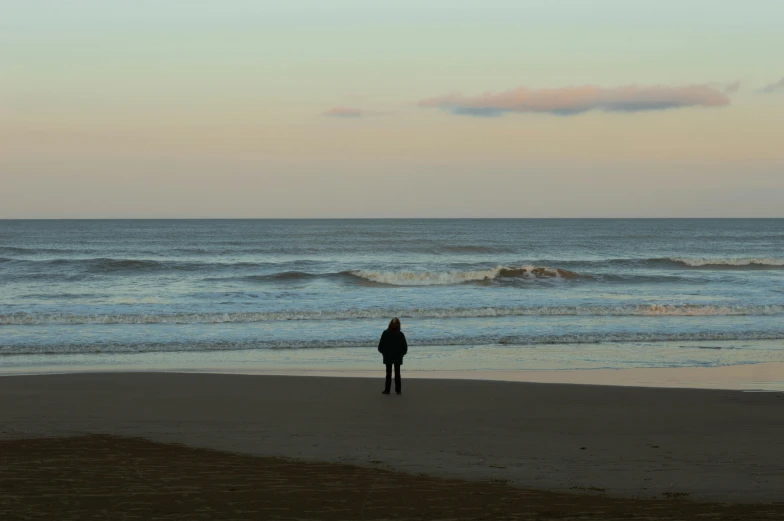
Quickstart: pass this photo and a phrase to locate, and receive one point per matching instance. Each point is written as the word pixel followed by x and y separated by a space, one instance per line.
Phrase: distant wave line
pixel 108 265
pixel 548 268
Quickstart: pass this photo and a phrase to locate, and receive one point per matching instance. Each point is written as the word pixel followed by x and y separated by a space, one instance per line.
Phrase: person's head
pixel 394 324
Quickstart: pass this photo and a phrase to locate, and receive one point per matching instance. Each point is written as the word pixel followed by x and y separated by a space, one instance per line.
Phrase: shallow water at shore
pixel 679 364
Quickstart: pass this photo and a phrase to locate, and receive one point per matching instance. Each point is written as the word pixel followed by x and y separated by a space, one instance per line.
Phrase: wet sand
pixel 619 442
pixel 768 376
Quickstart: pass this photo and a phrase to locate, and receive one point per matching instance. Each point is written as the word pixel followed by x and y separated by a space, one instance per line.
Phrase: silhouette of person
pixel 393 347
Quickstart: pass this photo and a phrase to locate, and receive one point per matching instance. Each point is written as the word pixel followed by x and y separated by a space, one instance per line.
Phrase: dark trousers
pixel 389 377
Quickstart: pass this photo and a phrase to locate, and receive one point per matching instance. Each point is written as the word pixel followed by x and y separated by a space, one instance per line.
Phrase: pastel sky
pixel 411 108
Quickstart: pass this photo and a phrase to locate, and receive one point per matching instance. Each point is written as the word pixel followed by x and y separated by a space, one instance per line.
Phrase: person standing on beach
pixel 393 347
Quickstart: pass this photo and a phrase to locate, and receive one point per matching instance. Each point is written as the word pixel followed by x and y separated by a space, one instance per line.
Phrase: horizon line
pixel 354 218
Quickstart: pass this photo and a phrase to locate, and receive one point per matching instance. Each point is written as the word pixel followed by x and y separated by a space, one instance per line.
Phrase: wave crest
pixel 729 262
pixel 431 278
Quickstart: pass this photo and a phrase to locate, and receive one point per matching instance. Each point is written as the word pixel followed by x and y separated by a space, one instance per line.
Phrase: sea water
pixel 471 294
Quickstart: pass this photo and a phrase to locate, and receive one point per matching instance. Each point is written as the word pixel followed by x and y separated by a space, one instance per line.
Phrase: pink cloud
pixel 571 100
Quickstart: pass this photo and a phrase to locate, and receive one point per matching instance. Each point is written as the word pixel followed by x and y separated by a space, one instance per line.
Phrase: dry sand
pixel 703 445
pixel 102 477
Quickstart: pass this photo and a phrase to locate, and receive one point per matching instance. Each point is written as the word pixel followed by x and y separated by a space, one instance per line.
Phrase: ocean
pixel 472 294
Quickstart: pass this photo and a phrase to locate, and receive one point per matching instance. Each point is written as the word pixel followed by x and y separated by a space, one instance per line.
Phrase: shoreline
pixel 751 377
pixel 634 442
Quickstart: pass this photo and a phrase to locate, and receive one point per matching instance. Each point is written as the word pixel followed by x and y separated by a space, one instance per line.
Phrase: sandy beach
pixel 612 443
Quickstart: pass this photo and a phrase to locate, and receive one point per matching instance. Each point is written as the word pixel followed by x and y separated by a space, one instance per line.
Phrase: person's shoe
pixel 384 392
pixel 398 392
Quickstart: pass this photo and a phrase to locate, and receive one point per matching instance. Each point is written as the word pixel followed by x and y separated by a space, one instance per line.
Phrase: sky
pixel 411 108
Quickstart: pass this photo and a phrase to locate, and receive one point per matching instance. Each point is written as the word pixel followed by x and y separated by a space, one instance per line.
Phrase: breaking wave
pixel 414 278
pixel 652 310
pixel 731 262
pixel 429 278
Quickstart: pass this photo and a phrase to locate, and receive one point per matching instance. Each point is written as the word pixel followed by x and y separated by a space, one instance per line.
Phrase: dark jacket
pixel 393 346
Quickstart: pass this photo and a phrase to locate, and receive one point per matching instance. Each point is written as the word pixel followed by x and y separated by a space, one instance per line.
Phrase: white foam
pixel 430 278
pixel 730 261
